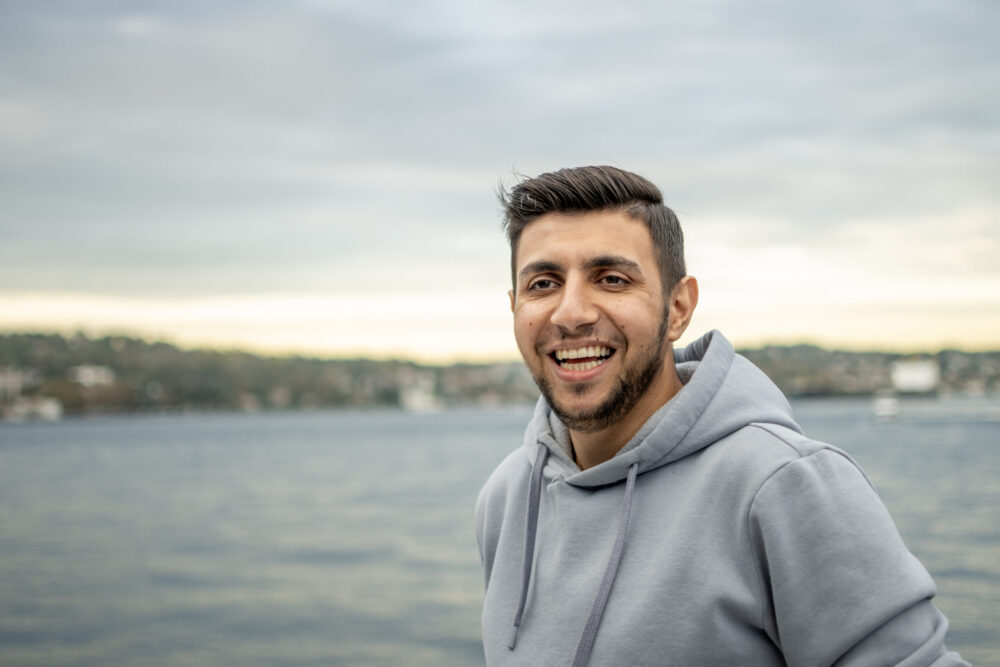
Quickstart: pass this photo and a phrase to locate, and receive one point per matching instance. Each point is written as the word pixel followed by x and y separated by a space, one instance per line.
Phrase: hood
pixel 722 393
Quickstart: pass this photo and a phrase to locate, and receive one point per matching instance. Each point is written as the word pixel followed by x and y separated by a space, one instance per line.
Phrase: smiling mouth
pixel 583 358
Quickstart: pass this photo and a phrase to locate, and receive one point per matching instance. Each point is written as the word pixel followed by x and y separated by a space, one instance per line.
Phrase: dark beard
pixel 626 393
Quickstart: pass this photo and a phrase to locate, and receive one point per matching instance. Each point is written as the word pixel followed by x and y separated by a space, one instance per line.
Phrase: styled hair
pixel 603 188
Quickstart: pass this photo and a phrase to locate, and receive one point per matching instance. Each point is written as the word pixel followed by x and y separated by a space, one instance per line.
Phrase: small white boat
pixel 886 406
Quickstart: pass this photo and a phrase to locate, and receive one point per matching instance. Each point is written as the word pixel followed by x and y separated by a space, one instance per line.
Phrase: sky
pixel 319 176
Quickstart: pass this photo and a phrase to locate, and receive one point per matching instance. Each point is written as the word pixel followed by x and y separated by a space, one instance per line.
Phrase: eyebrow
pixel 541 266
pixel 599 262
pixel 612 262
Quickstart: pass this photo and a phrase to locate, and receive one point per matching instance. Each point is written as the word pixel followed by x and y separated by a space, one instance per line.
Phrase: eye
pixel 541 284
pixel 614 280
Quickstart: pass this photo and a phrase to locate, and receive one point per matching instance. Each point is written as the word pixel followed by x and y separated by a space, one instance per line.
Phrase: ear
pixel 510 293
pixel 683 300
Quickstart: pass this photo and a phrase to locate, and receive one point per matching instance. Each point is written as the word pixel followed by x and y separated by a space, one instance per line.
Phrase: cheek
pixel 526 318
pixel 525 334
pixel 640 321
pixel 524 328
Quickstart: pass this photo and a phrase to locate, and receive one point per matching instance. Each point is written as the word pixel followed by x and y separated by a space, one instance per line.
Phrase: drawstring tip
pixel 513 639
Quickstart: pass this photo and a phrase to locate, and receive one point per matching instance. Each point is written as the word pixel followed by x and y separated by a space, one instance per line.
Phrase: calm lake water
pixel 347 538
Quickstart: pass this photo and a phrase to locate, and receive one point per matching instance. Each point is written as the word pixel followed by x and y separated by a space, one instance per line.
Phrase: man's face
pixel 590 317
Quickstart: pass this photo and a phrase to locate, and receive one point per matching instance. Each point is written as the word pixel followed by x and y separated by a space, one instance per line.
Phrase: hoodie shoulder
pixel 759 450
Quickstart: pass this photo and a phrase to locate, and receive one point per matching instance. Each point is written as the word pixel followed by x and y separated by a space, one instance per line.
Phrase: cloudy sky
pixel 318 176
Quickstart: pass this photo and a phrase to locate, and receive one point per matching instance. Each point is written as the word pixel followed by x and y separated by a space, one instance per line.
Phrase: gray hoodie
pixel 719 535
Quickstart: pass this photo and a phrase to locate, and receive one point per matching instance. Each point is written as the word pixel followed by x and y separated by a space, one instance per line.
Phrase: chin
pixel 591 415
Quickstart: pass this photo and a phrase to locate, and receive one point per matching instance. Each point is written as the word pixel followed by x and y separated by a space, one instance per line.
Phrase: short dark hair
pixel 602 188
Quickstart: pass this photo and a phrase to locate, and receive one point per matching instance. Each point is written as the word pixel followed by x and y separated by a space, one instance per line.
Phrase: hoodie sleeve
pixel 840 585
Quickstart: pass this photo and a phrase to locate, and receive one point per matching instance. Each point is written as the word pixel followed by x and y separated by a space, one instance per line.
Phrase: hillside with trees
pixel 82 375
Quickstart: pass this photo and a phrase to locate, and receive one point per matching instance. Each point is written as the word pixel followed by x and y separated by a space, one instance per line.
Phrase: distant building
pixel 416 392
pixel 91 376
pixel 11 383
pixel 36 407
pixel 916 376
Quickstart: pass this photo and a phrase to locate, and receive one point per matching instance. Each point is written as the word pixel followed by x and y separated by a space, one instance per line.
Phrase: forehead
pixel 571 239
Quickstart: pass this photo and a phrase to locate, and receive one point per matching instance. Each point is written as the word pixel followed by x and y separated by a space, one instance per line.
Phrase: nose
pixel 576 310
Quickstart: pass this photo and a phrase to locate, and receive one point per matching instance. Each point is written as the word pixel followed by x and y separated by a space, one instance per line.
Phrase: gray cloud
pixel 199 147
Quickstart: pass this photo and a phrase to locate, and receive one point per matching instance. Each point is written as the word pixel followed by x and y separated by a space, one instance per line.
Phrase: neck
pixel 591 448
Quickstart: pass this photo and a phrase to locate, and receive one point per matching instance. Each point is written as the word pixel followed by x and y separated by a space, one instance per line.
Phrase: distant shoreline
pixel 48 376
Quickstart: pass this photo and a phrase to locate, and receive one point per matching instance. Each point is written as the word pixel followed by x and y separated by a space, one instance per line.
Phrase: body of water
pixel 346 538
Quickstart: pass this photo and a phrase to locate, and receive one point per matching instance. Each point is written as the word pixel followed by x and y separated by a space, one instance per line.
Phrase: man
pixel 665 508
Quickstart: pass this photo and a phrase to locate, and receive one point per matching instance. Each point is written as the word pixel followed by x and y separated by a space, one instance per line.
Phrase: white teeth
pixel 583 352
pixel 586 366
pixel 597 354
